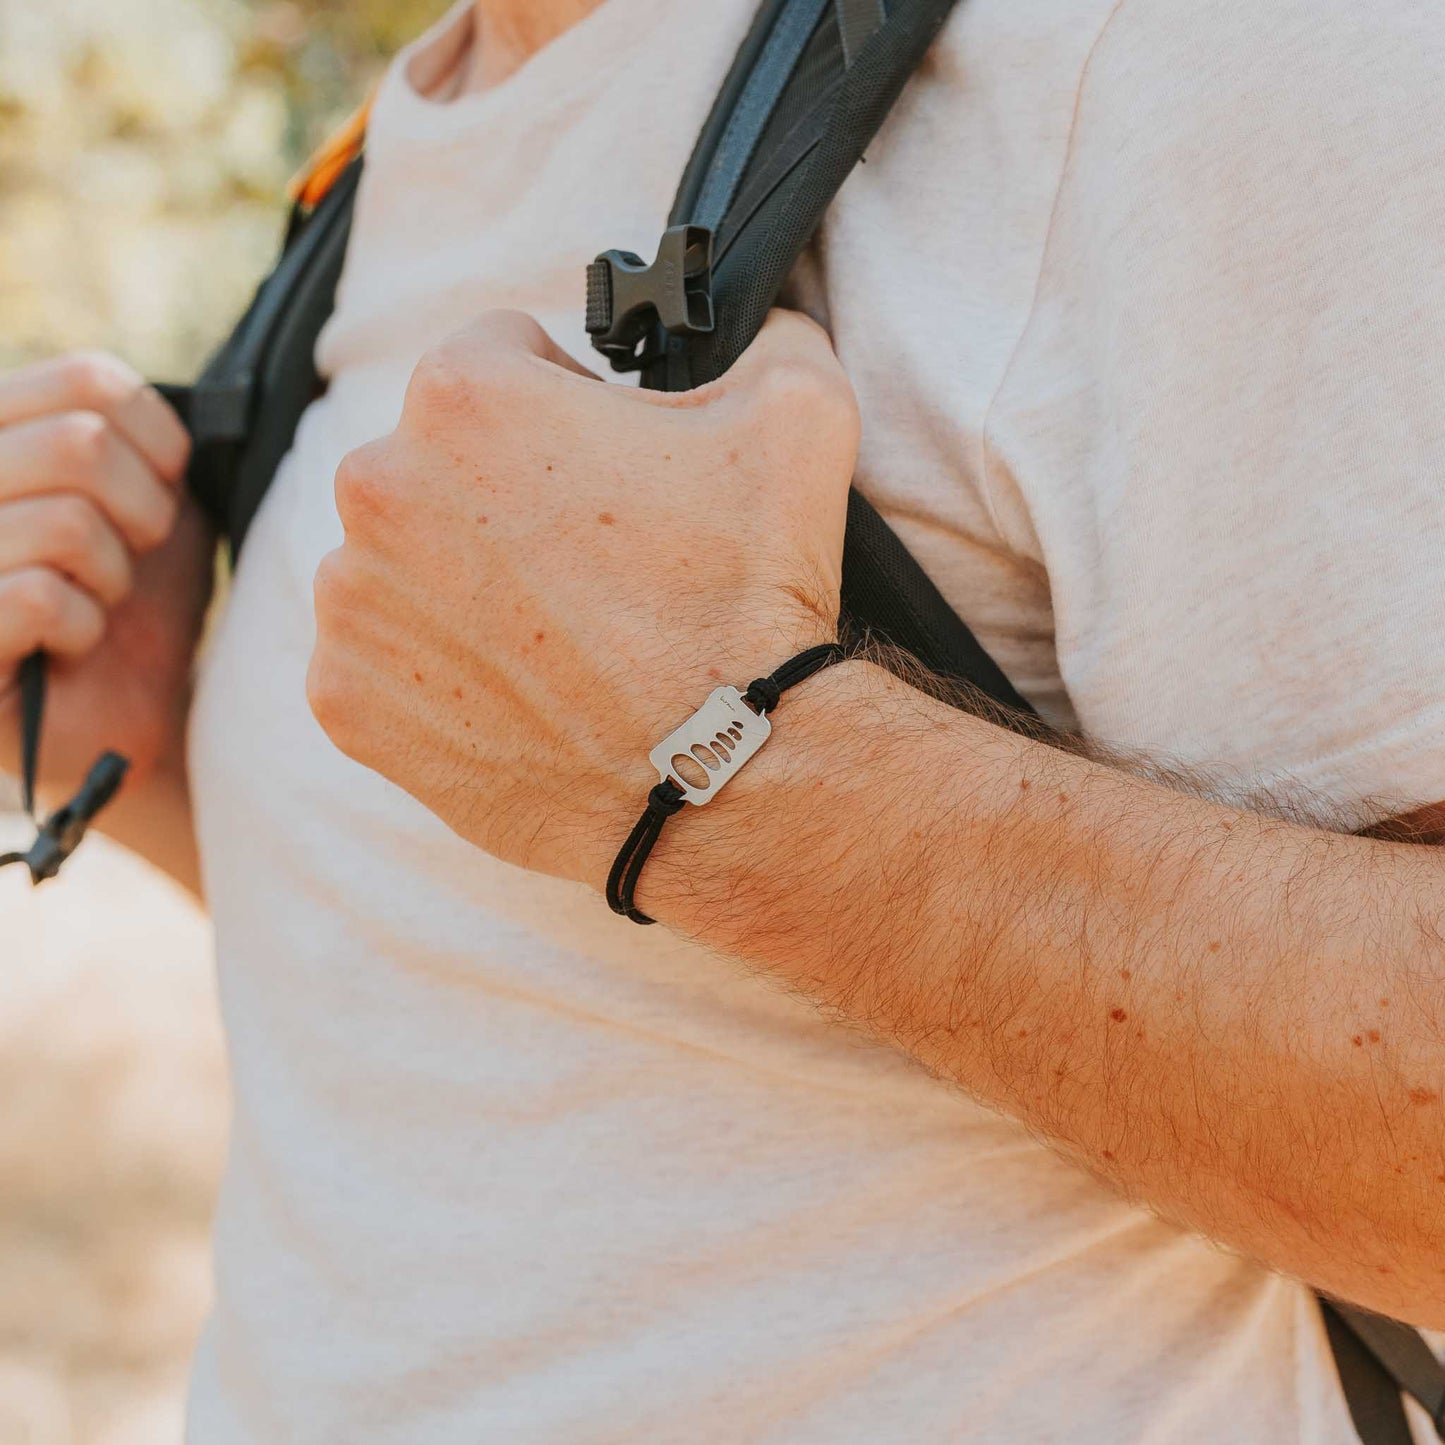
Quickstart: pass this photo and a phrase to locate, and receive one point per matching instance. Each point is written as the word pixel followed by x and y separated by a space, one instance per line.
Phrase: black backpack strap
pixel 1377 1408
pixel 244 409
pixel 1379 1357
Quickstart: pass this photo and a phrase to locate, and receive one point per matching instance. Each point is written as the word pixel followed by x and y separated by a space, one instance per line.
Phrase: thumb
pixel 788 338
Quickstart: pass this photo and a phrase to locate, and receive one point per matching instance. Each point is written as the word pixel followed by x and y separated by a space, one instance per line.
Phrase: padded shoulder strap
pixel 812 83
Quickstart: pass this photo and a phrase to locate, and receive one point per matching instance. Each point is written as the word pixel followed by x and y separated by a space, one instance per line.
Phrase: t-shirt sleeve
pixel 1222 432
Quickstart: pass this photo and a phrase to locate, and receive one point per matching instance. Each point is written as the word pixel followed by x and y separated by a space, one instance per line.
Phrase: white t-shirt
pixel 1144 305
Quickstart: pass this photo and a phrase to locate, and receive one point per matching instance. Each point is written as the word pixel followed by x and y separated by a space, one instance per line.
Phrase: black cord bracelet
pixel 716 740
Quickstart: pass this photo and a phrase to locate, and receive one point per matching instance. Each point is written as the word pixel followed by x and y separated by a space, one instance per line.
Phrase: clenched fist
pixel 103 563
pixel 544 574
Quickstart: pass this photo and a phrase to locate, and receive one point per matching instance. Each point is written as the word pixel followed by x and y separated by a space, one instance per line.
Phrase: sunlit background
pixel 144 150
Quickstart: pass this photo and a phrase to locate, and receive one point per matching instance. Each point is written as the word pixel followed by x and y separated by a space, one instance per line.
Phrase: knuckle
pixel 322 694
pixel 364 494
pixel 465 377
pixel 73 527
pixel 801 403
pixel 442 378
pixel 38 600
pixel 790 384
pixel 81 444
pixel 340 594
pixel 97 380
pixel 158 522
pixel 329 698
pixel 328 588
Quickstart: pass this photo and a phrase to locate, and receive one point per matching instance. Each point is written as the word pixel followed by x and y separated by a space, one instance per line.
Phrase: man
pixel 1138 310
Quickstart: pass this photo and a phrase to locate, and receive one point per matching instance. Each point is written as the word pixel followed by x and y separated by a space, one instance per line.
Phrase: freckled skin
pixel 559 776
pixel 1011 899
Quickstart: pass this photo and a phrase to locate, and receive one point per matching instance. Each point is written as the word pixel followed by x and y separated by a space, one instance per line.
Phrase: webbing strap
pixel 1402 1352
pixel 857 20
pixel 1372 1396
pixel 31 682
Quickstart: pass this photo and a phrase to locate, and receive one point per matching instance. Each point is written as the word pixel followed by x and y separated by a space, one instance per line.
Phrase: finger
pixel 68 533
pixel 498 333
pixel 82 452
pixel 95 382
pixel 40 609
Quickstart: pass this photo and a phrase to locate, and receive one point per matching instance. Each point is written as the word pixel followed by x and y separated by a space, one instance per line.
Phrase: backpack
pixel 812 83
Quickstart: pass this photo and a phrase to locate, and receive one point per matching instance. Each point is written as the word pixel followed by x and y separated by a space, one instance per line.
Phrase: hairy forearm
pixel 1238 1020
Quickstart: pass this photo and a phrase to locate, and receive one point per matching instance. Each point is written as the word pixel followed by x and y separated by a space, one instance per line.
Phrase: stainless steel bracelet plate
pixel 717 739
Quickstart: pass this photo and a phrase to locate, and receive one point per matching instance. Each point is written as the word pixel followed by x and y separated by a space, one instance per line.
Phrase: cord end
pixel 62 832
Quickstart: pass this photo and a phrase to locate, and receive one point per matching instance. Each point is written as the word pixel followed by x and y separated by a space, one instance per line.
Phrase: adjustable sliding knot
pixel 764 694
pixel 696 760
pixel 666 799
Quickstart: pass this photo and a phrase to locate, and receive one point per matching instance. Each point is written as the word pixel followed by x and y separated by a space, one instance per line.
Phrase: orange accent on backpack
pixel 321 172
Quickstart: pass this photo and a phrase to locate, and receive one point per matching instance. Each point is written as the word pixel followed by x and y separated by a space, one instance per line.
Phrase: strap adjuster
pixel 64 830
pixel 214 411
pixel 633 307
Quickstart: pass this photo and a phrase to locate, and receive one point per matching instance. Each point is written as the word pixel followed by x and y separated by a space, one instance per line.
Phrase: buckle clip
pixel 633 308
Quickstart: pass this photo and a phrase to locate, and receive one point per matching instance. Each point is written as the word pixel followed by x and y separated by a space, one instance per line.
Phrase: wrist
pixel 720 867
pixel 653 701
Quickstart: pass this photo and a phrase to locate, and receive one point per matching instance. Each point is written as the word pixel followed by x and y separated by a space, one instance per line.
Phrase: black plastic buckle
pixel 61 833
pixel 632 308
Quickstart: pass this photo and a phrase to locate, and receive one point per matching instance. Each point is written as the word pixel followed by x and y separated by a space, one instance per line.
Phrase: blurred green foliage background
pixel 145 146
